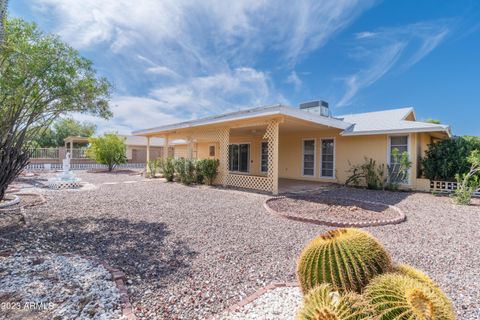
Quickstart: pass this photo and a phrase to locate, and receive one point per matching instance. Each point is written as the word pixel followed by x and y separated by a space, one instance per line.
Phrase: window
pixel 211 151
pixel 328 158
pixel 308 157
pixel 239 157
pixel 264 163
pixel 401 144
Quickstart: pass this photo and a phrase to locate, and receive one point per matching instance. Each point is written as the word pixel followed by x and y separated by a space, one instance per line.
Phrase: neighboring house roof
pixel 142 141
pixel 252 113
pixel 388 121
pixel 379 122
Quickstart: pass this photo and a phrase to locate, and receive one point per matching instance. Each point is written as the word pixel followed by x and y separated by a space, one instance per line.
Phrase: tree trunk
pixel 12 162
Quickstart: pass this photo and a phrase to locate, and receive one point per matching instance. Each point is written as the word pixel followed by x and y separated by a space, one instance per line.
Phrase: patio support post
pixel 148 151
pixel 223 135
pixel 165 147
pixel 189 148
pixel 272 134
pixel 71 149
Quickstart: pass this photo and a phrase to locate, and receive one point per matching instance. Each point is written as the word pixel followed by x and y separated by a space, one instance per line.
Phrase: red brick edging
pixel 249 299
pixel 332 223
pixel 117 276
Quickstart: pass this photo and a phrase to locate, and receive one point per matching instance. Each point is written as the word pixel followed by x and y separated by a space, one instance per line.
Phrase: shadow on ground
pixel 138 248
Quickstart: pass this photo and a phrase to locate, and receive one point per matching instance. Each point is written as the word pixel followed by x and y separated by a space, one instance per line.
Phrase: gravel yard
pixel 191 252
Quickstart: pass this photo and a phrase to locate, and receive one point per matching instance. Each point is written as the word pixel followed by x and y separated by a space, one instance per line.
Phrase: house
pixel 136 148
pixel 258 147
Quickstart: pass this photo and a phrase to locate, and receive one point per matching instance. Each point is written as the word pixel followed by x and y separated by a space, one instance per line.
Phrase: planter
pixel 9 200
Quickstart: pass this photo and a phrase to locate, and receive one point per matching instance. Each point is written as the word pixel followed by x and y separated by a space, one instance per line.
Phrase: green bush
pixel 372 174
pixel 153 166
pixel 199 178
pixel 185 170
pixel 168 169
pixel 446 159
pixel 399 168
pixel 468 182
pixel 208 169
pixel 108 149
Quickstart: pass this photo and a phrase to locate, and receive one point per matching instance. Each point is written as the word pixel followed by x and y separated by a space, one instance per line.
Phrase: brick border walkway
pixel 332 223
pixel 257 294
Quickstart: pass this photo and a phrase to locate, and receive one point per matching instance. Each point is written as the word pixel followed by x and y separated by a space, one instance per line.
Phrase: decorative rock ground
pixel 56 287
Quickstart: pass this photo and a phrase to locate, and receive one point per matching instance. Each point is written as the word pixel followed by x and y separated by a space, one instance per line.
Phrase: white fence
pixel 447 187
pixel 81 166
pixel 54 153
pixel 44 153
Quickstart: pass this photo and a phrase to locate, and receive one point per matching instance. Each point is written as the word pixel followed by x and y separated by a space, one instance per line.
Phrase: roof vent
pixel 318 107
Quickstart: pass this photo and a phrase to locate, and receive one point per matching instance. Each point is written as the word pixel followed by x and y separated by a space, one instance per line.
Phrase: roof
pixel 379 122
pixel 388 121
pixel 251 113
pixel 142 141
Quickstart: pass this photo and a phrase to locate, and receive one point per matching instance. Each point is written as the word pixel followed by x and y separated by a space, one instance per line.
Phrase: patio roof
pixel 250 114
pixel 380 122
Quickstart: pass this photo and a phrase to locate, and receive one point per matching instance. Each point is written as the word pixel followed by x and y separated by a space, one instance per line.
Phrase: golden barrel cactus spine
pixel 321 303
pixel 398 297
pixel 345 258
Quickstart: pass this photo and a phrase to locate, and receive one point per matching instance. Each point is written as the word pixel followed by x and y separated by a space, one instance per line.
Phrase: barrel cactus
pixel 422 277
pixel 399 297
pixel 345 258
pixel 321 303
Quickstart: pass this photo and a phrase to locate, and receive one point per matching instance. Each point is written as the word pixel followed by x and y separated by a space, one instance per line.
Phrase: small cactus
pixel 321 303
pixel 422 277
pixel 399 297
pixel 345 258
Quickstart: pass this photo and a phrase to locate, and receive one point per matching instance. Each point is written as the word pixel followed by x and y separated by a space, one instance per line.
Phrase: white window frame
pixel 249 157
pixel 409 151
pixel 261 170
pixel 334 158
pixel 314 157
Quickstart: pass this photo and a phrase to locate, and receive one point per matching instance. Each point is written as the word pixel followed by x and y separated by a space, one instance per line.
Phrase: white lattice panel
pixel 447 187
pixel 249 182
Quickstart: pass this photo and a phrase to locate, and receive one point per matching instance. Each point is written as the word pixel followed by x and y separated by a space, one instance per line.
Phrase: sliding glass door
pixel 239 157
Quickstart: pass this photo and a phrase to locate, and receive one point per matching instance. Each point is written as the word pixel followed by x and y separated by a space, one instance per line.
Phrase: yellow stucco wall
pixel 349 150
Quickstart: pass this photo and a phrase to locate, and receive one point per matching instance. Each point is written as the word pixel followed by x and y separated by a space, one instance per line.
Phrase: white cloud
pixel 382 50
pixel 162 71
pixel 295 80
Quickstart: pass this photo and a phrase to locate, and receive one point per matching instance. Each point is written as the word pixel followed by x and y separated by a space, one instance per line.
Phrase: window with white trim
pixel 264 160
pixel 308 157
pixel 328 158
pixel 401 144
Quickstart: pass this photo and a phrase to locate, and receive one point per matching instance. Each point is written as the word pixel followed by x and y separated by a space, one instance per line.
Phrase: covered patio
pixel 249 148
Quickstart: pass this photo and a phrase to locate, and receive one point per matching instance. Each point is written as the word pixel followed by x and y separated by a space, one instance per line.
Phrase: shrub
pixel 168 169
pixel 108 149
pixel 398 169
pixel 322 303
pixel 185 169
pixel 199 178
pixel 468 182
pixel 208 169
pixel 153 166
pixel 396 297
pixel 345 258
pixel 445 159
pixel 372 174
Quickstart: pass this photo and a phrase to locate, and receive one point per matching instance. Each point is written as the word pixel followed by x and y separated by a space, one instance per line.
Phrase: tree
pixel 108 150
pixel 434 121
pixel 41 79
pixel 3 14
pixel 55 135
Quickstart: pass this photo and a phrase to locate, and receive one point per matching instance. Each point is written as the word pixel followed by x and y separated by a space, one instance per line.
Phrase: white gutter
pixel 395 131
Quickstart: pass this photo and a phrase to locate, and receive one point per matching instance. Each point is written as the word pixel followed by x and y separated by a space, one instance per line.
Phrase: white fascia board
pixel 395 131
pixel 246 114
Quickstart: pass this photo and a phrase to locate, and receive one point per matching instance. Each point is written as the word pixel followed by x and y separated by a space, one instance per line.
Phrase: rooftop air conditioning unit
pixel 318 107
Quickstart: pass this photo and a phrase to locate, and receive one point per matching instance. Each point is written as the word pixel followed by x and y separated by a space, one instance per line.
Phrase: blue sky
pixel 174 60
